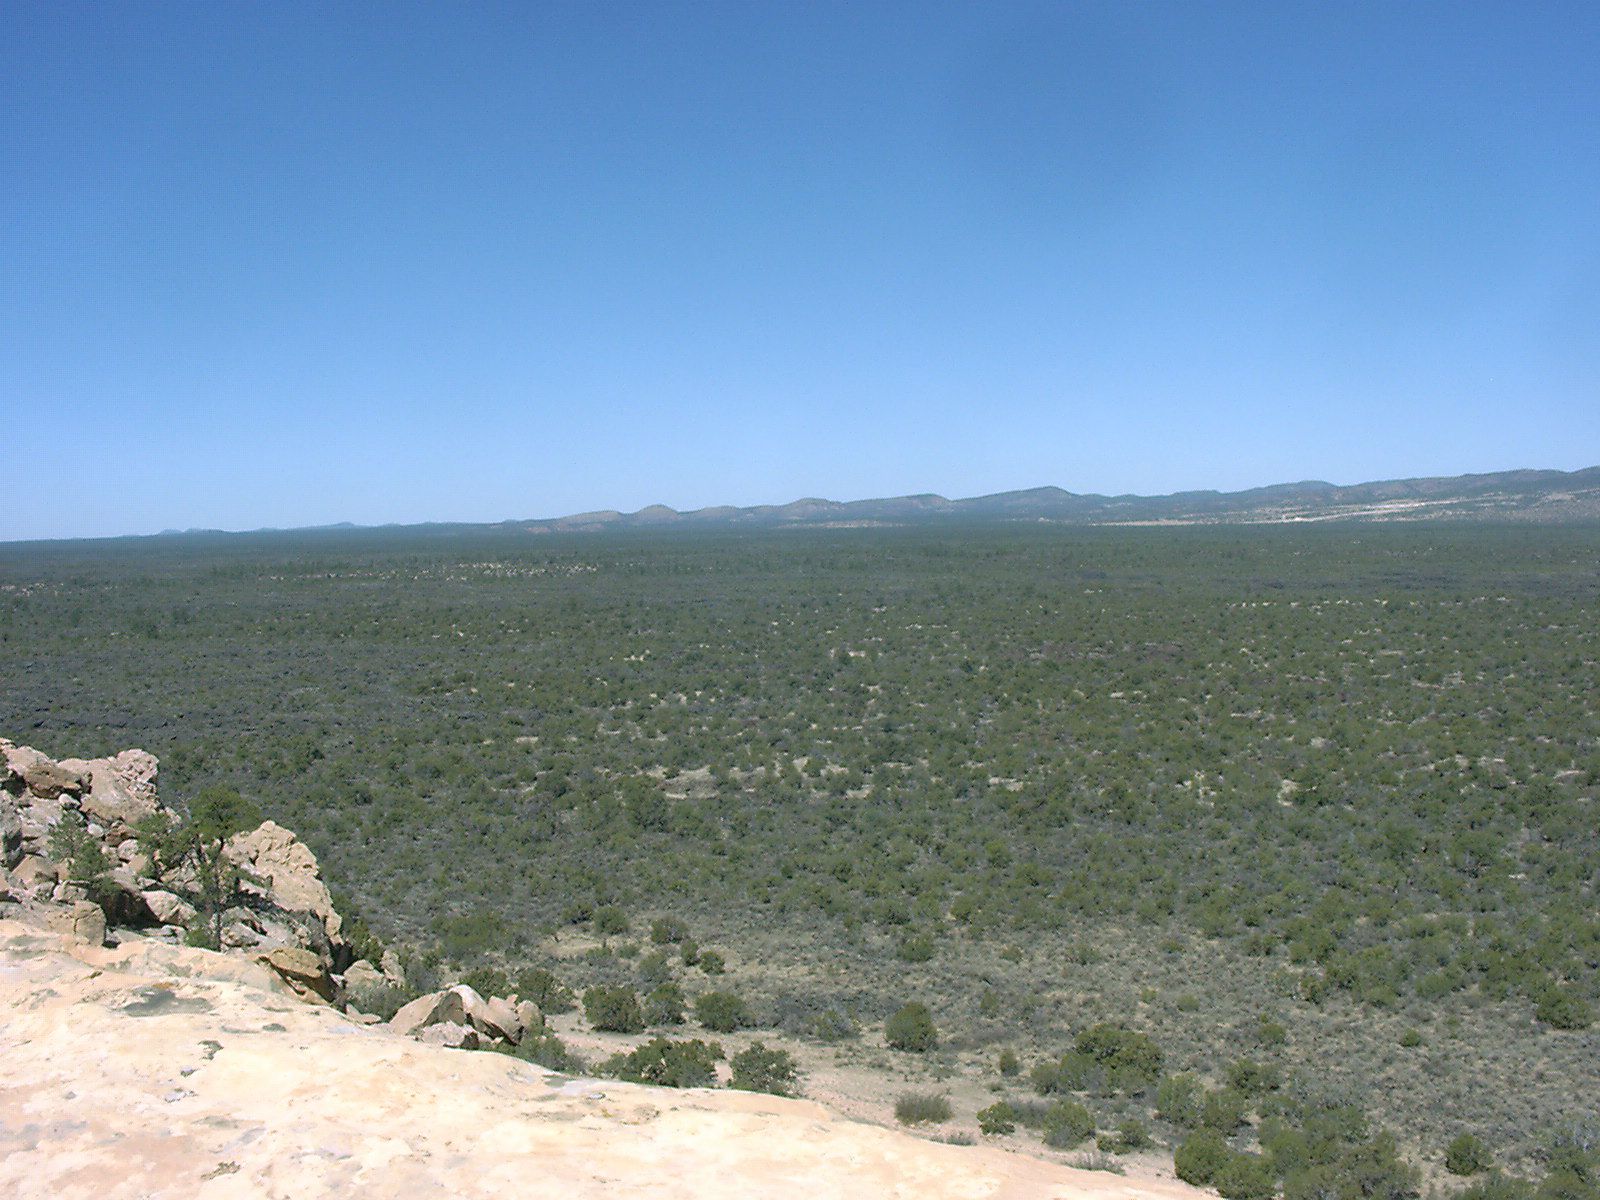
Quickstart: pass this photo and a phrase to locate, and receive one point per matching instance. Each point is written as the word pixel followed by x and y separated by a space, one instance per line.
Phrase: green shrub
pixel 380 999
pixel 1178 1100
pixel 1560 1007
pixel 654 967
pixel 1572 1164
pixel 1271 1033
pixel 668 931
pixel 663 1005
pixel 710 962
pixel 1008 1064
pixel 1466 1155
pixel 997 1119
pixel 1066 1124
pixel 1495 1186
pixel 913 1108
pixel 916 948
pixel 545 990
pixel 759 1069
pixel 548 1050
pixel 1224 1110
pixel 1132 1060
pixel 1201 1157
pixel 487 981
pixel 1251 1078
pixel 1245 1177
pixel 1373 1170
pixel 610 920
pixel 667 1063
pixel 1132 1135
pixel 613 1008
pixel 911 1029
pixel 722 1012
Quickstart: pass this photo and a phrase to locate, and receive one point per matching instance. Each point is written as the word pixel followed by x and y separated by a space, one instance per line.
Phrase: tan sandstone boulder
pixel 449 1034
pixel 42 775
pixel 121 790
pixel 288 871
pixel 81 920
pixel 436 1008
pixel 303 971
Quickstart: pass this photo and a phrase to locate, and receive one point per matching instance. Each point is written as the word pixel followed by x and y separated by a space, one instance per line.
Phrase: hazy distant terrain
pixel 1538 496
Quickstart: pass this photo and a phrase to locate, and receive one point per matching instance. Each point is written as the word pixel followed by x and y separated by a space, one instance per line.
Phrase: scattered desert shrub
pixel 1094 1160
pixel 663 1005
pixel 759 1069
pixel 1178 1100
pixel 911 1029
pixel 666 1063
pixel 548 1050
pixel 1466 1155
pixel 999 1118
pixel 545 990
pixel 613 1008
pixel 1201 1157
pixel 722 1012
pixel 710 962
pixel 668 930
pixel 1067 1124
pixel 920 1108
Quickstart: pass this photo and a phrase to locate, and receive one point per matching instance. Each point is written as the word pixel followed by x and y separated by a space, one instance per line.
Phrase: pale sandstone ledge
pixel 152 1070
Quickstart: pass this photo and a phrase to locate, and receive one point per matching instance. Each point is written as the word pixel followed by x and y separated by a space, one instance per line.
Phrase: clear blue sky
pixel 290 264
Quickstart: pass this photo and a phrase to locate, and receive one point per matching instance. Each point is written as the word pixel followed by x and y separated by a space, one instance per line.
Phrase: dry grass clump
pixel 921 1108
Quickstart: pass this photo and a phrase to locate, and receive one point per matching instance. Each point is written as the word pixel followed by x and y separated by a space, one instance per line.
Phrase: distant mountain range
pixel 1537 496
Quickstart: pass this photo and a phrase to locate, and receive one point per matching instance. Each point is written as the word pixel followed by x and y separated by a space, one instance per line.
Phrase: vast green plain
pixel 1318 800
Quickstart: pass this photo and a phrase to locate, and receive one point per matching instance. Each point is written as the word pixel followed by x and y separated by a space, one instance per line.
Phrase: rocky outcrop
pixel 148 1070
pixel 492 1018
pixel 281 869
pixel 121 790
pixel 282 915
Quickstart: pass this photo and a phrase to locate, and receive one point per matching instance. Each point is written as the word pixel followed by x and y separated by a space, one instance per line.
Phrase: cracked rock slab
pixel 153 1070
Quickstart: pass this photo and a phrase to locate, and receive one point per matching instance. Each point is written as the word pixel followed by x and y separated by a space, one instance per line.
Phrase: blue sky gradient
pixel 279 264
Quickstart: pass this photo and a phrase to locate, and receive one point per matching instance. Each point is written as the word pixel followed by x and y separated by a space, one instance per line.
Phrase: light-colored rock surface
pixel 122 789
pixel 436 1008
pixel 43 776
pixel 302 971
pixel 167 908
pixel 150 1070
pixel 288 870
